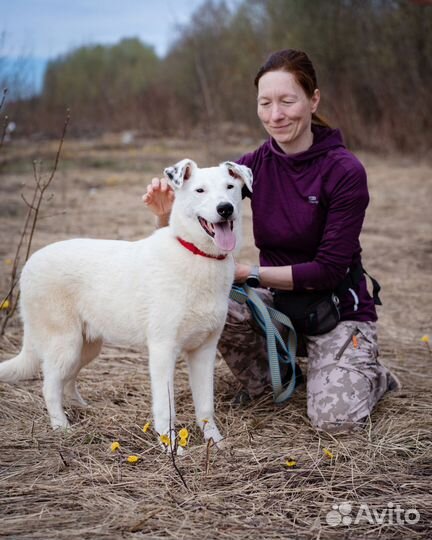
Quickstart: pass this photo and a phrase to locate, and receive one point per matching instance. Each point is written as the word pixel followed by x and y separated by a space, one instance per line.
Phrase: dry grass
pixel 55 485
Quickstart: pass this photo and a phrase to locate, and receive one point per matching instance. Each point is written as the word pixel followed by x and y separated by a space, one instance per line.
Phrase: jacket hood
pixel 325 139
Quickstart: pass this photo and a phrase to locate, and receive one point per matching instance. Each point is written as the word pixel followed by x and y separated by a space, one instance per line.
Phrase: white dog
pixel 169 291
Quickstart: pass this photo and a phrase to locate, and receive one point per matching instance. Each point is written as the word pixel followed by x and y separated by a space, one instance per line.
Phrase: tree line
pixel 373 60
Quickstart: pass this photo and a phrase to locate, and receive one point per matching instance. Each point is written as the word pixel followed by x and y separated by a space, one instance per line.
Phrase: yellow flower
pixel 8 261
pixel 132 459
pixel 290 462
pixel 5 304
pixel 205 421
pixel 183 442
pixel 115 446
pixel 328 453
pixel 425 339
pixel 146 427
pixel 183 433
pixel 164 439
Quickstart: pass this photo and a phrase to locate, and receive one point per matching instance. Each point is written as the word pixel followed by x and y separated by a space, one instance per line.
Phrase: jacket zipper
pixel 346 343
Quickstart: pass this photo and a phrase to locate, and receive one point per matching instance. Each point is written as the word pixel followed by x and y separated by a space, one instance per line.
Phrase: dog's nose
pixel 225 210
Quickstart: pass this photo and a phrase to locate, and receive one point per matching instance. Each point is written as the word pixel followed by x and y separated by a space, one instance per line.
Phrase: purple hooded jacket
pixel 308 211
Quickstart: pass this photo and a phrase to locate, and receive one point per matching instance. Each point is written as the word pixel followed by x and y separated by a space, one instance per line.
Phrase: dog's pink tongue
pixel 224 237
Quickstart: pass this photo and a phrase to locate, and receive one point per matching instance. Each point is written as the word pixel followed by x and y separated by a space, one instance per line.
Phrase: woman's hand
pixel 159 197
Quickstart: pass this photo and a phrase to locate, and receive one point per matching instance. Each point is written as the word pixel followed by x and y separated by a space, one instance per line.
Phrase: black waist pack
pixel 317 312
pixel 311 312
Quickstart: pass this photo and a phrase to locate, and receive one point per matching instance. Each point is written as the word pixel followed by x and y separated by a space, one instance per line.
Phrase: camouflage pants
pixel 345 380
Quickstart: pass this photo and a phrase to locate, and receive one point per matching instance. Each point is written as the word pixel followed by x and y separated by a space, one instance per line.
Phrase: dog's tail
pixel 22 366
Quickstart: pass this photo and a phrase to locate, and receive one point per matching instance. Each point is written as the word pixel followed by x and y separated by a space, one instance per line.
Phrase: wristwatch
pixel 253 279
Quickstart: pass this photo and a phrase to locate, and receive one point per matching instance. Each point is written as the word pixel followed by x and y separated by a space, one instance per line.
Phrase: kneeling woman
pixel 308 205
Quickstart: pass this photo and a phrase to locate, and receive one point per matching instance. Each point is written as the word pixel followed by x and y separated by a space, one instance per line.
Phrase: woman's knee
pixel 345 379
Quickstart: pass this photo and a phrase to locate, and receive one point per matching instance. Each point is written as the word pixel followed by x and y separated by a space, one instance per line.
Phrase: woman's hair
pixel 300 66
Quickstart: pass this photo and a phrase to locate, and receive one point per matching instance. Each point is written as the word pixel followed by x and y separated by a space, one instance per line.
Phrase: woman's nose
pixel 276 112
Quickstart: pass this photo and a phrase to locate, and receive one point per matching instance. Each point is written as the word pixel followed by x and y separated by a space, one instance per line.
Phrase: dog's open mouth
pixel 222 233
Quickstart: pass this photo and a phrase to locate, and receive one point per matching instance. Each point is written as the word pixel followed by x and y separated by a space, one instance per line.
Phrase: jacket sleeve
pixel 347 203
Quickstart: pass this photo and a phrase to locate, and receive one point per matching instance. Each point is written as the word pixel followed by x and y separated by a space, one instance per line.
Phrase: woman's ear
pixel 316 97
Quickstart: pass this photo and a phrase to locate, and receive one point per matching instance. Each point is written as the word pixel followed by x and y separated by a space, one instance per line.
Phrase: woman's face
pixel 286 111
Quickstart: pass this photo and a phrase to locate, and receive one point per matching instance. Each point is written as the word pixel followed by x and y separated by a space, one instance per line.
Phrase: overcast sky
pixel 47 28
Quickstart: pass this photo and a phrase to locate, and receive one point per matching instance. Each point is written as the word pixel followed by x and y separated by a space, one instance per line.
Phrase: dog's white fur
pixel 77 294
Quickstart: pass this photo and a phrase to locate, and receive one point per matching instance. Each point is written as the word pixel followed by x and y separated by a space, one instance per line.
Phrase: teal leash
pixel 265 315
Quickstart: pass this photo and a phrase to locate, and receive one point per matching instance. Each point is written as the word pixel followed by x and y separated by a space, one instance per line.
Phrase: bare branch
pixel 45 186
pixel 65 125
pixel 14 271
pixel 36 176
pixel 55 214
pixel 29 205
pixel 210 443
pixel 173 449
pixel 9 293
pixel 31 221
pixel 5 123
pixel 5 91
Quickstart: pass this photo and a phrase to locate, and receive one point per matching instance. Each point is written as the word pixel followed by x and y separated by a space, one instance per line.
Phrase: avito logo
pixel 342 514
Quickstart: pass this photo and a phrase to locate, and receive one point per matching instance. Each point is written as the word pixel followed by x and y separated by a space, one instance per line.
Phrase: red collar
pixel 197 251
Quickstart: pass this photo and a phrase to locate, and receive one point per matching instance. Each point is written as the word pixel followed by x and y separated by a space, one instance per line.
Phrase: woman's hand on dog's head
pixel 159 197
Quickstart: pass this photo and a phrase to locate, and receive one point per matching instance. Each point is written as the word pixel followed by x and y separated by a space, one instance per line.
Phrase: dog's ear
pixel 240 172
pixel 180 172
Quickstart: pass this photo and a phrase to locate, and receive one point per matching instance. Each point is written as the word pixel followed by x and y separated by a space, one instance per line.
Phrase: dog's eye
pixel 199 190
pixel 230 186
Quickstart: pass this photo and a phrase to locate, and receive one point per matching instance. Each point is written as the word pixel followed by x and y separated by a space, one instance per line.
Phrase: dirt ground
pixel 70 485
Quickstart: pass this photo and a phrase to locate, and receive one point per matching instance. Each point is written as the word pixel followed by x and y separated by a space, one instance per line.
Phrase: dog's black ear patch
pixel 172 175
pixel 180 172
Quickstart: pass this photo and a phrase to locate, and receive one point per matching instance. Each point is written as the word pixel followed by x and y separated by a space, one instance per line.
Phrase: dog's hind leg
pixel 61 360
pixel 201 376
pixel 162 359
pixel 89 351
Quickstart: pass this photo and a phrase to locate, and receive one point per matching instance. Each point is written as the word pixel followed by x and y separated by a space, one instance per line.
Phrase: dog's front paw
pixel 60 424
pixel 211 431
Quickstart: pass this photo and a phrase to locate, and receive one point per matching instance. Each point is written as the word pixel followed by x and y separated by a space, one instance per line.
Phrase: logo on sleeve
pixel 313 199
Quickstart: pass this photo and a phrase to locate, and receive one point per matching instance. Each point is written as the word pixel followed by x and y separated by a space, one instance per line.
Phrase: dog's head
pixel 207 202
